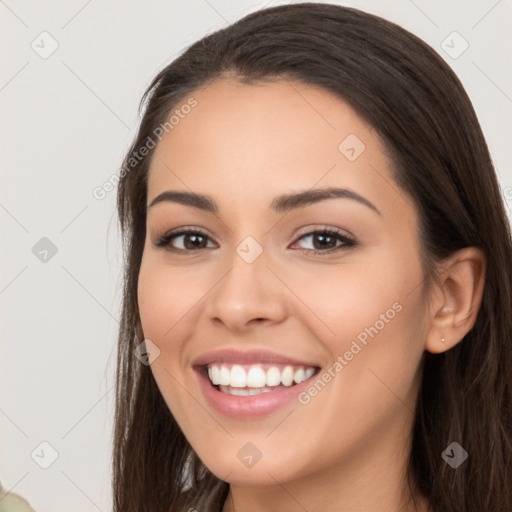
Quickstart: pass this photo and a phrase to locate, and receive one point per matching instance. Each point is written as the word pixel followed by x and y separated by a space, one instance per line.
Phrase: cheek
pixel 370 318
pixel 165 304
pixel 153 296
pixel 376 347
pixel 341 301
pixel 166 298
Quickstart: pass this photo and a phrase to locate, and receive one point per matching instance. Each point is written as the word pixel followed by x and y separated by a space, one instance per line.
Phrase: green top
pixel 10 502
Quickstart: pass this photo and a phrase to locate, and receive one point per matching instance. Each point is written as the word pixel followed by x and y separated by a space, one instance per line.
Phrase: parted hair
pixel 417 105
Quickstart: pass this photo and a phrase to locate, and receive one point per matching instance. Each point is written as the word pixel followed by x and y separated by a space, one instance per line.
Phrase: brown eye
pixel 191 240
pixel 324 241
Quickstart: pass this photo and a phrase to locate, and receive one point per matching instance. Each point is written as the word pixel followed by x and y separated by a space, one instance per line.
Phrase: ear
pixel 456 299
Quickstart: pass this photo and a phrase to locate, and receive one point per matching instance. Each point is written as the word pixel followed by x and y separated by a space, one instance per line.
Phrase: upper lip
pixel 234 355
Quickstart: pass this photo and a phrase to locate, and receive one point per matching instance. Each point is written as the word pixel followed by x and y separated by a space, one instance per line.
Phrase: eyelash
pixel 348 242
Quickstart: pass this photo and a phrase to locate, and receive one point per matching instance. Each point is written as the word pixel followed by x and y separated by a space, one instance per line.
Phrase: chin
pixel 264 471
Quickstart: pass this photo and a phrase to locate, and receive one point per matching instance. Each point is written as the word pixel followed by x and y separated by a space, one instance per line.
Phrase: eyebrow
pixel 280 204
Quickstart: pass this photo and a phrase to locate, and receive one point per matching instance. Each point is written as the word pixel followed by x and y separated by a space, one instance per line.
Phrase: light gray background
pixel 66 122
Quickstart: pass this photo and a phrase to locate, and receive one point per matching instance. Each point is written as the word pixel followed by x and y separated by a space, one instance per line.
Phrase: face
pixel 330 284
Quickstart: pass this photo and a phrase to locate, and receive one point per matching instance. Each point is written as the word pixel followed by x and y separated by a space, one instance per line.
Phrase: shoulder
pixel 10 502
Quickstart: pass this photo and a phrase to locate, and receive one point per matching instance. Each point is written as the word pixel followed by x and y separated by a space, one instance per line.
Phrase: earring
pixel 442 340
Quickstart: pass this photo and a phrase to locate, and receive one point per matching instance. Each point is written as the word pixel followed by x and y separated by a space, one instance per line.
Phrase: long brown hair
pixel 418 106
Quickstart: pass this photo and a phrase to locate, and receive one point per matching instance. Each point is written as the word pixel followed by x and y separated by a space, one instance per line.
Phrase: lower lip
pixel 236 406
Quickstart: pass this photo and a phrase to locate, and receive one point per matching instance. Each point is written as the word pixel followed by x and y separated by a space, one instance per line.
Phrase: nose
pixel 248 295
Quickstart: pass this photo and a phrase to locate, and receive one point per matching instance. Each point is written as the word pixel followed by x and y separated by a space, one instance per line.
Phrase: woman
pixel 317 301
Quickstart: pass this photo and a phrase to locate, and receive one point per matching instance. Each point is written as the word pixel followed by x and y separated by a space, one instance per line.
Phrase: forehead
pixel 253 141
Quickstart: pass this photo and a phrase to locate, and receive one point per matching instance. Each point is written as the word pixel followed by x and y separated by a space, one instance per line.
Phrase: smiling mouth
pixel 255 379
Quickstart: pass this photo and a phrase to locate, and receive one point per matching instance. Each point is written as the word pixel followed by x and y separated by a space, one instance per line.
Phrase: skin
pixel 242 145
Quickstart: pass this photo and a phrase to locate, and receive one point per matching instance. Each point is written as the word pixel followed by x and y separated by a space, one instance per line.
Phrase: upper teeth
pixel 255 376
